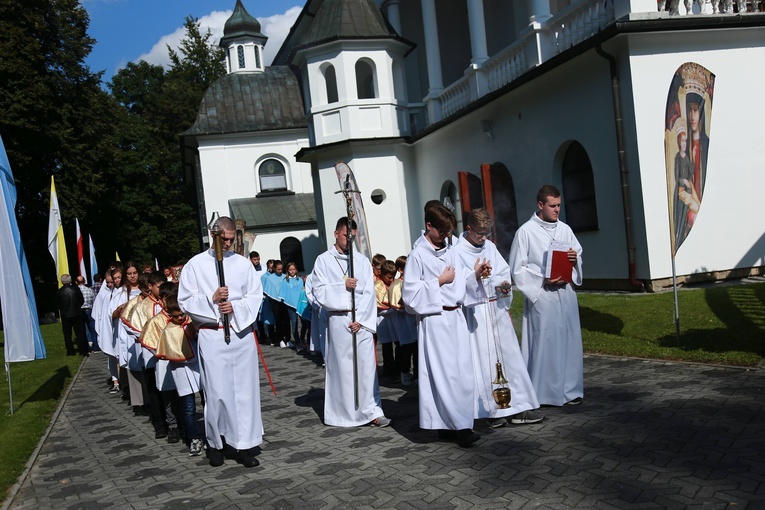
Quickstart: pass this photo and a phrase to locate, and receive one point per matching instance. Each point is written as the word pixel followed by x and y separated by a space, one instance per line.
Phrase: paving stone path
pixel 649 435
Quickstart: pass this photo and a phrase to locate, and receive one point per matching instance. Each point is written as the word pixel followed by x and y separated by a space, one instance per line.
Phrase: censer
pixel 502 395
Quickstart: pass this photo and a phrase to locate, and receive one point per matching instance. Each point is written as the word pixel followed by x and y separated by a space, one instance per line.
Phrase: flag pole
pixel 677 309
pixel 10 390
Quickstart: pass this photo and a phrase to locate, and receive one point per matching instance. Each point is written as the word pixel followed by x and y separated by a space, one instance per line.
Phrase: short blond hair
pixel 480 218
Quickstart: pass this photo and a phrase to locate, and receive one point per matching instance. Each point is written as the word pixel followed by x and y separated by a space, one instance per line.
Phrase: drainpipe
pixel 623 172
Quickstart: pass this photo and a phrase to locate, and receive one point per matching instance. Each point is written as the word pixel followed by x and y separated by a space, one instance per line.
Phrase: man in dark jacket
pixel 70 300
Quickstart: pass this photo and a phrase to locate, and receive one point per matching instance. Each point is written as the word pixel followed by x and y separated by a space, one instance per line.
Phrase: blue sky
pixel 131 30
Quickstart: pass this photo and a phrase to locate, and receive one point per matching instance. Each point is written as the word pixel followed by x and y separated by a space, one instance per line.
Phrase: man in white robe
pixel 491 331
pixel 552 336
pixel 229 369
pixel 331 287
pixel 436 286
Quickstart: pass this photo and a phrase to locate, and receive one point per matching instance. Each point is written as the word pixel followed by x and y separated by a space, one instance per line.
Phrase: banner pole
pixel 677 309
pixel 10 390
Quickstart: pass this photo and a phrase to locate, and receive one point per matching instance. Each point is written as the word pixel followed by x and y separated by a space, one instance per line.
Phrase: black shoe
pixel 467 437
pixel 160 433
pixel 447 435
pixel 215 457
pixel 140 411
pixel 173 436
pixel 247 458
pixel 71 354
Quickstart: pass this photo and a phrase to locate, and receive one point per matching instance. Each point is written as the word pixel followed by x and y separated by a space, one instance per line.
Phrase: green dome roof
pixel 241 24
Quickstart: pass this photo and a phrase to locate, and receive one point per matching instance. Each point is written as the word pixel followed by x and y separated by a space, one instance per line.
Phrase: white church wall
pixel 375 168
pixel 229 165
pixel 529 127
pixel 229 171
pixel 729 231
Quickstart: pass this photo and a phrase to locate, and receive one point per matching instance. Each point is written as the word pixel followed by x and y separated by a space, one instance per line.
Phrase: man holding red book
pixel 545 259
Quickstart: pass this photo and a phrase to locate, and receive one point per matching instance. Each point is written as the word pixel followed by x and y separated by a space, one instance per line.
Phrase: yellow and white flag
pixel 56 245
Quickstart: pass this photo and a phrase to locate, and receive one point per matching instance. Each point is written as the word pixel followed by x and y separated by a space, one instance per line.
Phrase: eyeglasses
pixel 480 234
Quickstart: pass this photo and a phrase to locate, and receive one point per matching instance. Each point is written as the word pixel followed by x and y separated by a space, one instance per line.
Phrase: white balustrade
pixel 456 96
pixel 578 22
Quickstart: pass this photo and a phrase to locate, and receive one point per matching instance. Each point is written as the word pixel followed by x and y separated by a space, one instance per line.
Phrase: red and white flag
pixel 80 257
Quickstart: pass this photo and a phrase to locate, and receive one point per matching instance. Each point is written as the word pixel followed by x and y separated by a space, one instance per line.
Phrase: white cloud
pixel 275 27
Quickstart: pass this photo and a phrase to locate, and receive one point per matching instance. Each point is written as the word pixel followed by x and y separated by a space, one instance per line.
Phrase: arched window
pixel 240 54
pixel 290 250
pixel 365 80
pixel 273 176
pixel 579 190
pixel 330 79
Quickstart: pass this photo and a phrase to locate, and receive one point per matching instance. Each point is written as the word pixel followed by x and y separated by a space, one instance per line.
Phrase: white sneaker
pixel 115 388
pixel 381 421
pixel 283 344
pixel 406 378
pixel 195 448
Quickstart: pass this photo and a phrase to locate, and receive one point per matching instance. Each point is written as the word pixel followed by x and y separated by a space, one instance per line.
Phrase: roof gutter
pixel 623 171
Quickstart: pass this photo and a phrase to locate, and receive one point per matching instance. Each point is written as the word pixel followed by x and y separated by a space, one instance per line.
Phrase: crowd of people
pixel 440 316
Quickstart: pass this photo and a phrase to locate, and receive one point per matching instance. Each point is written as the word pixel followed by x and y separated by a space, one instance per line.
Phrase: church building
pixel 480 102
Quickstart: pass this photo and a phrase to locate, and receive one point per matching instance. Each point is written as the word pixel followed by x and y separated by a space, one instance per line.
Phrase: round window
pixel 378 196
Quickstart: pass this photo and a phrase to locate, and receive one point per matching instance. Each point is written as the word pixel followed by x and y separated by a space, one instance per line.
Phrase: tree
pixel 154 203
pixel 55 120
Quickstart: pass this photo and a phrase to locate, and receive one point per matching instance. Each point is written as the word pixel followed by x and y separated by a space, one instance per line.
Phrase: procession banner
pixel 80 251
pixel 23 339
pixel 362 233
pixel 686 144
pixel 56 243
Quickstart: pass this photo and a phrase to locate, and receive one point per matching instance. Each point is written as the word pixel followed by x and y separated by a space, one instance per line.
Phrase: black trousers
pixel 78 325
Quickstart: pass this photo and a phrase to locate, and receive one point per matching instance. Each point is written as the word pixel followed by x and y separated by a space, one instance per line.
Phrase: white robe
pixel 230 374
pixel 103 319
pixel 318 319
pixel 328 288
pixel 552 336
pixel 490 327
pixel 446 378
pixel 119 342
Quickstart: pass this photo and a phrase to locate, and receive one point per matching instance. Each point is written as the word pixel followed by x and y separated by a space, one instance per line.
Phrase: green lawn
pixel 723 324
pixel 37 386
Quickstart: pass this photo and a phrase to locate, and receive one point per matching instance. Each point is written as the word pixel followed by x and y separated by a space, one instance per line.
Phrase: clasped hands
pixel 220 298
pixel 482 269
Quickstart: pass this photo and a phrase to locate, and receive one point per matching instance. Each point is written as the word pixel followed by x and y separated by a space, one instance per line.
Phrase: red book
pixel 561 266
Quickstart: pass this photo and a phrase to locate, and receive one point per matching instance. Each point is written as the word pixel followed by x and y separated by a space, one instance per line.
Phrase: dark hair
pixel 343 222
pixel 168 288
pixel 278 262
pixel 378 259
pixel 548 190
pixel 254 254
pixel 432 203
pixel 143 281
pixel 400 262
pixel 440 218
pixel 156 277
pixel 388 268
pixel 171 304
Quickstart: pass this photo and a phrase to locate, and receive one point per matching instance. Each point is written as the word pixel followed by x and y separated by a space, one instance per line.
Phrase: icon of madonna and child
pixel 686 143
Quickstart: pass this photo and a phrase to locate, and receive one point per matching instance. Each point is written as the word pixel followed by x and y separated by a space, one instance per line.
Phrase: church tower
pixel 243 42
pixel 352 62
